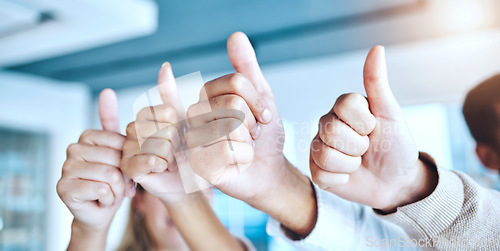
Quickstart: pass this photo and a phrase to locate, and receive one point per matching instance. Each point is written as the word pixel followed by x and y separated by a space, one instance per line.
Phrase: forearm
pixel 292 202
pixel 198 224
pixel 83 238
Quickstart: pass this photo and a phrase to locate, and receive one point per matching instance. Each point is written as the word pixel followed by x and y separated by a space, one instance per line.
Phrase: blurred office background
pixel 56 56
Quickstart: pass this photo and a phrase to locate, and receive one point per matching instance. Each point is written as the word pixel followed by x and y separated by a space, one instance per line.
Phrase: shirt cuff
pixel 332 229
pixel 430 216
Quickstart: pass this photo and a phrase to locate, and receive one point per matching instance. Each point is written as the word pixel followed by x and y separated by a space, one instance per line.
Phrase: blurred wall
pixel 59 110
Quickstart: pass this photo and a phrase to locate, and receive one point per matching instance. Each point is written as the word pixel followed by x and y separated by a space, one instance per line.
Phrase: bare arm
pixel 198 224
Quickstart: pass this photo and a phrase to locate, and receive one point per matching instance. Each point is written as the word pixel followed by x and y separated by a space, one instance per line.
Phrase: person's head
pixel 482 113
pixel 150 225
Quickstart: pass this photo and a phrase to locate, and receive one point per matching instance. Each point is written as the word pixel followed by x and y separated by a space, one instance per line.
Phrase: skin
pixel 249 165
pixel 489 156
pixel 364 151
pixel 92 185
pixel 149 160
pixel 158 222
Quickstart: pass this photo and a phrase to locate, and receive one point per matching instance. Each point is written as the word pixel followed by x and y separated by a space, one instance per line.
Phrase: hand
pixel 236 140
pixel 150 159
pixel 148 152
pixel 364 151
pixel 242 106
pixel 92 185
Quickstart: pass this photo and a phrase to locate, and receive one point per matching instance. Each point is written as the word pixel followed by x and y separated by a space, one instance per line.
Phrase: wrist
pixel 422 183
pixel 291 201
pixel 84 237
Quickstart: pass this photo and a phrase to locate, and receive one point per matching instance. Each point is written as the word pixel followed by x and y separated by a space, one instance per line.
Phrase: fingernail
pixel 165 64
pixel 267 116
pixel 257 132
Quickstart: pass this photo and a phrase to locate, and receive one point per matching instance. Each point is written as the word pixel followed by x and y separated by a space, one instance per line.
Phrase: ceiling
pixel 33 30
pixel 192 34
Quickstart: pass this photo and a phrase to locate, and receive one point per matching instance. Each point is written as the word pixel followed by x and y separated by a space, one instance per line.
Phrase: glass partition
pixel 23 181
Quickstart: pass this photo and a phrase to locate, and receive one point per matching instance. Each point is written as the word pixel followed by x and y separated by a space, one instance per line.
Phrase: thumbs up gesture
pixel 148 152
pixel 364 151
pixel 236 140
pixel 236 134
pixel 92 185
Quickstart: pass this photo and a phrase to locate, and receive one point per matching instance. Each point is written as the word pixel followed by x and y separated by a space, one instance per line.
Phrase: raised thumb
pixel 376 82
pixel 244 61
pixel 108 110
pixel 167 87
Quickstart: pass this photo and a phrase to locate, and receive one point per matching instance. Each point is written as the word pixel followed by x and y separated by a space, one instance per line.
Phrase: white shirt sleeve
pixel 343 225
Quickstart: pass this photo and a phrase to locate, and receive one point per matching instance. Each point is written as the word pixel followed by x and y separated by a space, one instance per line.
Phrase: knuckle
pixel 320 157
pixel 191 111
pixel 324 120
pixel 237 81
pixel 131 129
pixel 103 190
pixel 144 112
pixel 61 188
pixel 346 102
pixel 150 160
pixel 170 114
pixel 329 129
pixel 356 98
pixel 316 144
pixel 67 166
pixel 86 134
pixel 72 149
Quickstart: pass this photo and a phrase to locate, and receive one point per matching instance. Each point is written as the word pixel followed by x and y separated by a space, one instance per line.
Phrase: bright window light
pixel 464 15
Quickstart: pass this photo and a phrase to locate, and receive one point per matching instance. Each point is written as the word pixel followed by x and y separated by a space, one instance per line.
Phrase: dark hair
pixel 482 111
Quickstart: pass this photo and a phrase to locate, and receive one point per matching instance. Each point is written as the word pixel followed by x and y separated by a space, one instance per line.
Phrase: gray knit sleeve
pixel 458 215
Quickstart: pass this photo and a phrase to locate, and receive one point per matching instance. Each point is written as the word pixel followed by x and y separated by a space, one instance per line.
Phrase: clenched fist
pixel 149 151
pixel 153 156
pixel 235 132
pixel 236 140
pixel 92 185
pixel 364 151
